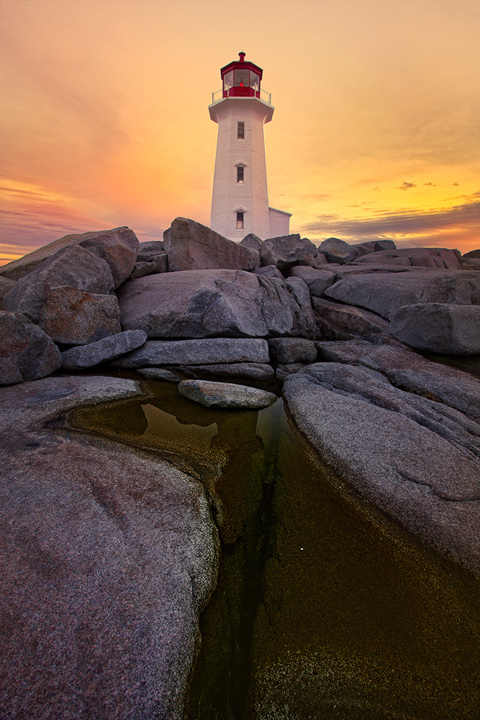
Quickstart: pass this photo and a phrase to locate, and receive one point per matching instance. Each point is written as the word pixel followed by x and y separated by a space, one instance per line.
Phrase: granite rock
pixel 73 266
pixel 207 303
pixel 286 251
pixel 75 317
pixel 385 292
pixel 192 246
pixel 292 350
pixel 26 351
pixel 206 351
pixel 225 395
pixel 384 442
pixel 109 348
pixel 110 555
pixel 439 327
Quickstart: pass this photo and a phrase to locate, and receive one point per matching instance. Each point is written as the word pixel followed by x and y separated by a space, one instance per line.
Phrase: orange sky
pixel 376 129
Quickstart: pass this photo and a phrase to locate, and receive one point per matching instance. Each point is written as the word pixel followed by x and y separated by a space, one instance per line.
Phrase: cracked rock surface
pixel 416 458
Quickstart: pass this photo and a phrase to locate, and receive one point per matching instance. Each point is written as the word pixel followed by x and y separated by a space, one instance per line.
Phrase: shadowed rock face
pixel 109 556
pixel 85 356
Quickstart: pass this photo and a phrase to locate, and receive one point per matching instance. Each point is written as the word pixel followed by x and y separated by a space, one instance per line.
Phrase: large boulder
pixel 118 247
pixel 225 395
pixel 287 251
pixel 197 352
pixel 26 351
pixel 384 292
pixel 5 286
pixel 109 348
pixel 75 317
pixel 337 251
pixel 438 327
pixel 73 266
pixel 206 303
pixel 109 556
pixel 416 459
pixel 192 246
pixel 316 280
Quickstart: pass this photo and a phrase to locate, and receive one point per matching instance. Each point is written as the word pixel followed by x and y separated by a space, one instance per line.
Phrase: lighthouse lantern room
pixel 240 196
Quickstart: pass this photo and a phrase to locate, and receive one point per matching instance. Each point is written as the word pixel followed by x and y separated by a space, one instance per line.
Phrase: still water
pixel 324 609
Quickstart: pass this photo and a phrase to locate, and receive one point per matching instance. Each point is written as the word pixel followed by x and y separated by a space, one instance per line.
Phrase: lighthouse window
pixel 241 130
pixel 240 173
pixel 240 221
pixel 241 78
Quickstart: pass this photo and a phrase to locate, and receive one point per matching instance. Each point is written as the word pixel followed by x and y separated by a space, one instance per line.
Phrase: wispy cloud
pixel 406 185
pixel 406 226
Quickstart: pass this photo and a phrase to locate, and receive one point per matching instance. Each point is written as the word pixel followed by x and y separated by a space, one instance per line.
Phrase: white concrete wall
pixel 251 196
pixel 279 222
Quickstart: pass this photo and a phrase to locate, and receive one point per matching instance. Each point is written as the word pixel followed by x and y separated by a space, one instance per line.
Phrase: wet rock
pixel 118 247
pixel 160 374
pixel 286 251
pixel 384 292
pixel 438 327
pixel 225 395
pixel 100 615
pixel 409 371
pixel 73 266
pixel 203 303
pixel 197 352
pixel 292 350
pixel 384 442
pixel 85 356
pixel 75 317
pixel 26 351
pixel 192 246
pixel 336 321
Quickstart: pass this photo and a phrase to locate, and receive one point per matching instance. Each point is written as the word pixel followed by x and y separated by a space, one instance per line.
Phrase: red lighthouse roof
pixel 241 78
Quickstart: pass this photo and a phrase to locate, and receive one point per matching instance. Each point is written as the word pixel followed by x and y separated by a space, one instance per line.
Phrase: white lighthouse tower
pixel 240 196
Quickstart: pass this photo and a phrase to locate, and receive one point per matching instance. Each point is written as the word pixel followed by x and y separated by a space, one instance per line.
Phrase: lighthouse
pixel 240 196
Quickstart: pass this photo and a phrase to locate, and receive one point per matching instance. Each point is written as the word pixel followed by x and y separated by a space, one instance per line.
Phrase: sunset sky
pixel 376 130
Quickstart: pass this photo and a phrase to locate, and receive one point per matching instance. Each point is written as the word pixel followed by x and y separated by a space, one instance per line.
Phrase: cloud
pixel 406 186
pixel 404 225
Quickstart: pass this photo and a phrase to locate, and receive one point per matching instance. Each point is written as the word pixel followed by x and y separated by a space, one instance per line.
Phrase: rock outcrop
pixel 286 251
pixel 109 348
pixel 439 327
pixel 109 556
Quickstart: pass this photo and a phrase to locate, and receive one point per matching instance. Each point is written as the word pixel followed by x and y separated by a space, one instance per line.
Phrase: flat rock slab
pixel 85 356
pixel 109 556
pixel 416 459
pixel 197 352
pixel 439 327
pixel 337 321
pixel 384 293
pixel 225 395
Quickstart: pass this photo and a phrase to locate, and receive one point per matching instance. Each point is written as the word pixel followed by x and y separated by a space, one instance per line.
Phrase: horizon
pixel 375 133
